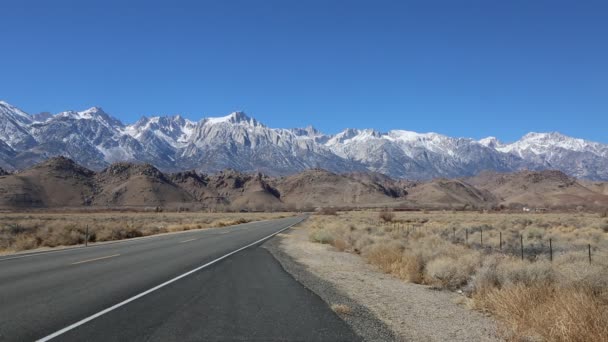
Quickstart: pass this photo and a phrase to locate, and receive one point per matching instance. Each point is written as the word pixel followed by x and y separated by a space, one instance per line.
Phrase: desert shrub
pixel 15 228
pixel 341 309
pixel 321 236
pixel 566 300
pixel 23 242
pixel 500 271
pixel 452 273
pixel 392 259
pixel 547 313
pixel 328 211
pixel 534 233
pixel 386 216
pixel 340 244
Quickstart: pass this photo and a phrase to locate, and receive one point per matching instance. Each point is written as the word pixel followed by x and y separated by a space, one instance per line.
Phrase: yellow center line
pixel 100 258
pixel 188 240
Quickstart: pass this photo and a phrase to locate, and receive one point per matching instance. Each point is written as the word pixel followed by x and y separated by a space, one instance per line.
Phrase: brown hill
pixel 196 185
pixel 128 184
pixel 57 182
pixel 250 191
pixel 317 187
pixel 599 187
pixel 449 193
pixel 391 187
pixel 538 189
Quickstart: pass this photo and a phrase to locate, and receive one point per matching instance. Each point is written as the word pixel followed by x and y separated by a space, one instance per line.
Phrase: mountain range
pixel 95 139
pixel 59 182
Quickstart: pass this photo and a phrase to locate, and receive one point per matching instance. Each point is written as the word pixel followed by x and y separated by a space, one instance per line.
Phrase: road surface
pixel 205 285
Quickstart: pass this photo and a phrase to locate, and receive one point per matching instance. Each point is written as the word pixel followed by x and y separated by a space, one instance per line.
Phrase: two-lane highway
pixel 211 285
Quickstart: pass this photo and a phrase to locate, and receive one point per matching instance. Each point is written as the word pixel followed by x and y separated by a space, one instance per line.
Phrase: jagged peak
pixel 308 131
pixel 93 110
pixel 232 118
pixel 352 134
pixel 93 113
pixel 14 112
pixel 544 135
pixel 491 142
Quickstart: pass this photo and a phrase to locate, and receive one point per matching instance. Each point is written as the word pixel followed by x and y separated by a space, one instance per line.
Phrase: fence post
pixel 481 239
pixel 521 241
pixel 550 250
pixel 454 234
pixel 589 247
pixel 500 240
pixel 86 237
pixel 466 237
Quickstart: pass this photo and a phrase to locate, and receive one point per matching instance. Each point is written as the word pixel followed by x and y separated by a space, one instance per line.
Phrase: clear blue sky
pixel 461 68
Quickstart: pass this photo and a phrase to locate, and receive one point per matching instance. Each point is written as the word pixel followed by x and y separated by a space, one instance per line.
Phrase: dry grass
pixel 536 299
pixel 19 231
pixel 341 309
pixel 328 211
pixel 386 216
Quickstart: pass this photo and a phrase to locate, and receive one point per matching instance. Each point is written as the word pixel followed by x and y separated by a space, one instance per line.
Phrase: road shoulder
pixel 360 319
pixel 383 308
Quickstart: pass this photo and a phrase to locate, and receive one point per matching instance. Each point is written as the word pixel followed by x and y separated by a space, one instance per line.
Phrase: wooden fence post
pixel 500 240
pixel 521 241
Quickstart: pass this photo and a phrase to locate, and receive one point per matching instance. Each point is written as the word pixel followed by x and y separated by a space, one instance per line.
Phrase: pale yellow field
pixel 21 231
pixel 565 299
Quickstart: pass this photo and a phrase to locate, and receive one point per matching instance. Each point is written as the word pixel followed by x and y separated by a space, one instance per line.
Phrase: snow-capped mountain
pixel 95 139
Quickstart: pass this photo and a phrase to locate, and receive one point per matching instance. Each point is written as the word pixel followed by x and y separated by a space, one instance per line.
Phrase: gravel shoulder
pixel 383 308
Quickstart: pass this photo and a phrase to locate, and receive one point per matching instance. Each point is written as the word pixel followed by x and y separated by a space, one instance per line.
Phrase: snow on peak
pixel 352 135
pixel 543 143
pixel 410 136
pixel 491 142
pixel 91 113
pixel 308 131
pixel 233 118
pixel 6 109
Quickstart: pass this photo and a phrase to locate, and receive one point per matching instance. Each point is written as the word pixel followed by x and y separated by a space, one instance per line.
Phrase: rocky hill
pixel 547 188
pixel 60 182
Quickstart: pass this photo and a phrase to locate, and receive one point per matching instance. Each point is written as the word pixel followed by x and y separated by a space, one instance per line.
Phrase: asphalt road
pixel 164 288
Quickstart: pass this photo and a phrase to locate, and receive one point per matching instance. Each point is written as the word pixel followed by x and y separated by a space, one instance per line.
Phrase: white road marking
pixel 188 240
pixel 127 301
pixel 95 259
pixel 42 253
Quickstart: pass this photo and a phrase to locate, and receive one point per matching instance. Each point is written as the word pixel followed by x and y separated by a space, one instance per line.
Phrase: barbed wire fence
pixel 492 240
